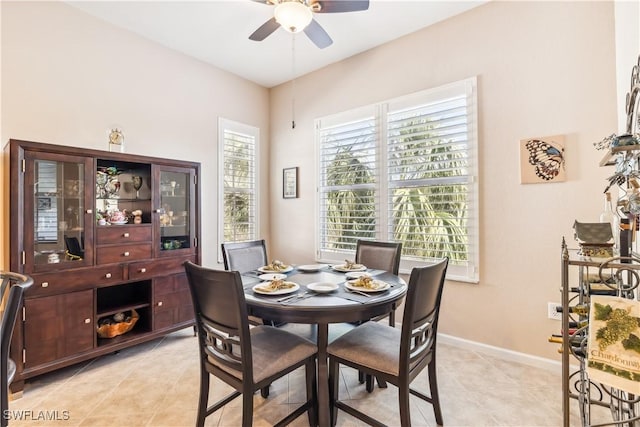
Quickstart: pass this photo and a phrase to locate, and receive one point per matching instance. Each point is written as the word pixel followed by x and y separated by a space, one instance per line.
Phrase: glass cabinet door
pixel 175 209
pixel 58 219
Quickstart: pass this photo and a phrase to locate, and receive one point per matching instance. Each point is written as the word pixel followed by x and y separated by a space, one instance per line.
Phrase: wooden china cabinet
pixel 74 229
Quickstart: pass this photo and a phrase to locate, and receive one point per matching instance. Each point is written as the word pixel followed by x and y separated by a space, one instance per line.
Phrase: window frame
pixel 226 125
pixel 468 272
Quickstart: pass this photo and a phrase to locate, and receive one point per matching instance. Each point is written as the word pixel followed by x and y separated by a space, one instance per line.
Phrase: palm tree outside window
pixel 404 170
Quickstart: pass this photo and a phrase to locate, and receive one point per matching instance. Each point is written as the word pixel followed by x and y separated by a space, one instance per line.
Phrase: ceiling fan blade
pixel 339 6
pixel 265 30
pixel 317 34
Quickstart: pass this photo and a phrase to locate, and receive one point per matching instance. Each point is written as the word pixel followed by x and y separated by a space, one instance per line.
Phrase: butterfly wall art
pixel 542 160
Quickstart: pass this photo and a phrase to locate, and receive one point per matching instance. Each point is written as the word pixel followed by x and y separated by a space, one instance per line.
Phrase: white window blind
pixel 406 173
pixel 349 182
pixel 238 160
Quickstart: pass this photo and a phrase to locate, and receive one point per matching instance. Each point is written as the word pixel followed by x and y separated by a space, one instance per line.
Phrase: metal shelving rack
pixel 625 408
pixel 620 276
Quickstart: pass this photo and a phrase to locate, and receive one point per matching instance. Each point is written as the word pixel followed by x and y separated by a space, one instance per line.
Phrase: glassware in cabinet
pixel 176 204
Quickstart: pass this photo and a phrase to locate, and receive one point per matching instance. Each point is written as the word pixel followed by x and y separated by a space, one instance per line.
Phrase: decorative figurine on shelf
pixel 116 141
pixel 101 181
pixel 137 216
pixel 101 220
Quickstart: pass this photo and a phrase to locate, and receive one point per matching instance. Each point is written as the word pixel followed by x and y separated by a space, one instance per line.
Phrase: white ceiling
pixel 217 31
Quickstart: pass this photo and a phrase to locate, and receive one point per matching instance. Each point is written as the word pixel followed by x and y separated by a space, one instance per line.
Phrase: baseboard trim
pixel 502 353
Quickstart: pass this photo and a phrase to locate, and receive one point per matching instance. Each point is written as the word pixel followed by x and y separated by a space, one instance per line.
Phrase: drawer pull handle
pixel 160 304
pixel 87 320
pixel 126 254
pixel 45 284
pixel 143 270
pixel 125 235
pixel 108 275
pixel 89 211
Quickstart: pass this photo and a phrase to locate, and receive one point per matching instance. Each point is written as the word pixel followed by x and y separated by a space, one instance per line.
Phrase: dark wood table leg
pixel 323 376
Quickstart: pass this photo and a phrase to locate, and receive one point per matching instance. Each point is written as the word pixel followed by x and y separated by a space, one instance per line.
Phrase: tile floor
pixel 156 384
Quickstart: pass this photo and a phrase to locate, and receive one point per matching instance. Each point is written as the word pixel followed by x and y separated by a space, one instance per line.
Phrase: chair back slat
pixel 221 346
pixel 379 255
pixel 244 256
pixel 221 316
pixel 422 309
pixel 422 340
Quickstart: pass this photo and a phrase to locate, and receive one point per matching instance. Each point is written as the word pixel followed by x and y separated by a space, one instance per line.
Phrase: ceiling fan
pixel 297 15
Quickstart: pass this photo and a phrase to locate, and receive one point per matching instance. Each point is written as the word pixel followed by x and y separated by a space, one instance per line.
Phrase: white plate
pixel 257 289
pixel 272 276
pixel 311 267
pixel 355 274
pixel 343 269
pixel 265 270
pixel 119 222
pixel 322 287
pixel 383 286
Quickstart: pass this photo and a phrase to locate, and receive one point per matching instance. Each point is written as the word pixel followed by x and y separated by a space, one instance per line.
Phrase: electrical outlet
pixel 552 313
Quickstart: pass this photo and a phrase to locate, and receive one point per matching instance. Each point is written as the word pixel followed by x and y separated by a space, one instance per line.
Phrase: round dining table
pixel 304 306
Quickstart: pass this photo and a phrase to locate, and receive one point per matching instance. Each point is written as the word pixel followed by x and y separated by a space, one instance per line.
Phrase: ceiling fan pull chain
pixel 293 81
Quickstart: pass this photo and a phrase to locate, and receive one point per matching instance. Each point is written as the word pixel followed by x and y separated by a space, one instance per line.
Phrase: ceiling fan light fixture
pixel 293 16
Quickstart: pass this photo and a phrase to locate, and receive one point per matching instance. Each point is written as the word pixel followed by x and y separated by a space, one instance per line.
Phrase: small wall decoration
pixel 290 183
pixel 542 160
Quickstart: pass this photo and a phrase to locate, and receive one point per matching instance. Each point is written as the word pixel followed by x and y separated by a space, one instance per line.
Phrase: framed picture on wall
pixel 542 160
pixel 290 183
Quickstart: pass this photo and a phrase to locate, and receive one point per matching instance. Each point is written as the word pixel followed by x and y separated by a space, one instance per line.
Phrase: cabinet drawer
pixel 123 234
pixel 55 283
pixel 149 269
pixel 123 253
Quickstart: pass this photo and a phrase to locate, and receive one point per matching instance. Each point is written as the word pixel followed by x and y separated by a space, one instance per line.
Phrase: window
pixel 404 170
pixel 238 190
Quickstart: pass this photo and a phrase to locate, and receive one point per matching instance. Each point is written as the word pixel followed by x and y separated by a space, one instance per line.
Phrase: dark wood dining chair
pixel 244 256
pixel 395 355
pixel 248 359
pixel 379 255
pixel 385 256
pixel 12 290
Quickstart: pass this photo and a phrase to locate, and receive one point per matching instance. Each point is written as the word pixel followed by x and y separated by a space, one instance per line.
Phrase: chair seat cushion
pixel 273 350
pixel 11 371
pixel 372 345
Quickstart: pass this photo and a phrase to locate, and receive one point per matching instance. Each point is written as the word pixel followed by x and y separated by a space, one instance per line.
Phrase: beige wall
pixel 67 77
pixel 543 68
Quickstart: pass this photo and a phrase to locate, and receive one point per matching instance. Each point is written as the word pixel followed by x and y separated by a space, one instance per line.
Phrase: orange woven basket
pixel 111 331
